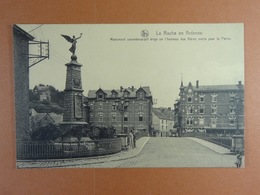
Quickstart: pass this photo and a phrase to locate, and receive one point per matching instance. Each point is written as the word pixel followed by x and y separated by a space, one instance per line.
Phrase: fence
pixel 55 150
pixel 221 141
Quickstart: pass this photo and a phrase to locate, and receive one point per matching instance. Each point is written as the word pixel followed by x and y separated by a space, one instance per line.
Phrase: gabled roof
pixel 101 90
pixel 114 91
pixel 132 92
pixel 57 118
pixel 163 113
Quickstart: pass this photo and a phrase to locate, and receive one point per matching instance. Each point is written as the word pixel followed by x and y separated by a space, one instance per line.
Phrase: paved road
pixel 170 152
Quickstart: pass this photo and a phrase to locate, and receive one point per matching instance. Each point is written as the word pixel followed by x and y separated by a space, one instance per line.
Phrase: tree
pixel 46 133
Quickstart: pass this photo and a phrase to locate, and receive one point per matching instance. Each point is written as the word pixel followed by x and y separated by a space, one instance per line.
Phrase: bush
pixel 46 133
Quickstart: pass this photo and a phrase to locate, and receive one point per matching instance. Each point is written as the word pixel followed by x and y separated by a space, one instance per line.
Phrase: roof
pixel 58 118
pixel 22 32
pixel 163 113
pixel 132 92
pixel 206 88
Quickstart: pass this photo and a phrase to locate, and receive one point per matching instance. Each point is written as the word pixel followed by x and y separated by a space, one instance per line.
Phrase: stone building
pixel 216 109
pixel 21 74
pixel 43 92
pixel 136 112
pixel 163 121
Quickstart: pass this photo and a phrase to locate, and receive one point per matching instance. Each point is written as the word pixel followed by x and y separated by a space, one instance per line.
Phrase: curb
pixel 102 159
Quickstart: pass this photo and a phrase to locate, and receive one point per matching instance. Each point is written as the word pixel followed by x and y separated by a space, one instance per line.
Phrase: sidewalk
pixel 50 163
pixel 212 146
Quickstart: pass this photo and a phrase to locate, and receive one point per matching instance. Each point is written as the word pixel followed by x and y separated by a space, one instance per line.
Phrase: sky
pixel 115 55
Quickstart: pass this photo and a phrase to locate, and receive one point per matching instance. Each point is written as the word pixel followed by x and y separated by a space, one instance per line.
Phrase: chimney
pixel 239 83
pixel 197 84
pixel 132 88
pixel 121 88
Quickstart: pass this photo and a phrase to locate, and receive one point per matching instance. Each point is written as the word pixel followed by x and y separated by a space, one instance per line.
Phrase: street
pixel 170 152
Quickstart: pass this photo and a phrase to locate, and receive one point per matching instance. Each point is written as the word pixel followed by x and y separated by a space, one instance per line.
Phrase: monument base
pixel 70 126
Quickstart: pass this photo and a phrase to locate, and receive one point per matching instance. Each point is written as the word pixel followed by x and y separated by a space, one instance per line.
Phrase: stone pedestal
pixel 74 115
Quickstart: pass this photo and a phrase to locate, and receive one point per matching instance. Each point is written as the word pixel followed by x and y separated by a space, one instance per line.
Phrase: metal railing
pixel 221 141
pixel 56 150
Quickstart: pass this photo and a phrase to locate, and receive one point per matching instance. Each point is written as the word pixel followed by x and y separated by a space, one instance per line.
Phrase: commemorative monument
pixel 74 115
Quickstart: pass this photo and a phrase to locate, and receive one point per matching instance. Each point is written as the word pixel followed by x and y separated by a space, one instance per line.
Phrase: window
pixel 214 97
pixel 125 117
pixel 232 120
pixel 213 109
pixel 141 107
pixel 189 121
pixel 113 106
pixel 100 95
pixel 100 106
pixel 126 93
pixel 100 118
pixel 232 110
pixel 126 106
pixel 201 111
pixel 213 121
pixel 201 121
pixel 190 110
pixel 125 129
pixel 189 97
pixel 113 95
pixel 113 117
pixel 201 97
pixel 141 95
pixel 141 118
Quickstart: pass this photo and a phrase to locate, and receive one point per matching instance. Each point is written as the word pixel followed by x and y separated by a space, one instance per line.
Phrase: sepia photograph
pixel 129 95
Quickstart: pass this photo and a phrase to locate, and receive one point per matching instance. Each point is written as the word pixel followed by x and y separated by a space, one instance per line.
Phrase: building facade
pixel 124 109
pixel 43 92
pixel 163 121
pixel 211 108
pixel 21 74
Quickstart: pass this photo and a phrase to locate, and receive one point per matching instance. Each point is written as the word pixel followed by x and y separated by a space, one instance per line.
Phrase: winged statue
pixel 72 40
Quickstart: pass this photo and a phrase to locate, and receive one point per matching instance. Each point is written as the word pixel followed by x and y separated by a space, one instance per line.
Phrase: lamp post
pixel 236 103
pixel 122 106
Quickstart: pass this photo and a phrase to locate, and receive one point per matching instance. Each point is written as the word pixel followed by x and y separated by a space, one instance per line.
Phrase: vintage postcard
pixel 129 95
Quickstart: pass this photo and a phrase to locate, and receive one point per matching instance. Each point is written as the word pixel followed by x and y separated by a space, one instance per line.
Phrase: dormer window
pixel 125 94
pixel 141 95
pixel 113 95
pixel 100 94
